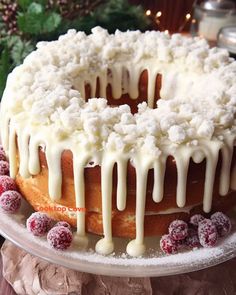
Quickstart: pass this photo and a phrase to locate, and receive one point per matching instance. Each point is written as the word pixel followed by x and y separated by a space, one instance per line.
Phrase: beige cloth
pixel 30 275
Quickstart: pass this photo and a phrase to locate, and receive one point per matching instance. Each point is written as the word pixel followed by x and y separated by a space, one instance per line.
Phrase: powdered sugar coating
pixel 178 230
pixel 4 167
pixel 195 219
pixel 207 233
pixel 10 201
pixel 168 245
pixel 6 183
pixel 38 223
pixel 63 223
pixel 192 239
pixel 222 223
pixel 2 154
pixel 59 237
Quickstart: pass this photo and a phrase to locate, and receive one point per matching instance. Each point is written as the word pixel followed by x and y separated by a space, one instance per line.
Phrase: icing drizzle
pixel 19 133
pixel 29 141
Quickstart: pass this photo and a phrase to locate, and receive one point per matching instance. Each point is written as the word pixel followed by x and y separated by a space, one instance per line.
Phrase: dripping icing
pixel 29 162
pixel 28 142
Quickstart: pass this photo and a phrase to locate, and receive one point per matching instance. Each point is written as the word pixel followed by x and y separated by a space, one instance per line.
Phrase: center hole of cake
pixel 126 90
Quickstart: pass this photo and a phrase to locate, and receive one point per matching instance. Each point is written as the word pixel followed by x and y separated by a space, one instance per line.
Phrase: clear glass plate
pixel 12 227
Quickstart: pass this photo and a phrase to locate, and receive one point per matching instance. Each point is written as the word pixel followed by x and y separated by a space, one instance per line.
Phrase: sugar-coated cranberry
pixel 222 223
pixel 38 223
pixel 178 229
pixel 195 219
pixel 4 167
pixel 2 154
pixel 63 223
pixel 10 201
pixel 59 237
pixel 7 184
pixel 207 233
pixel 168 245
pixel 192 239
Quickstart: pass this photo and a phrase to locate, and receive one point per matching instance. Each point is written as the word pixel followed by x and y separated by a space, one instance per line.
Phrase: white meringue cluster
pixel 44 90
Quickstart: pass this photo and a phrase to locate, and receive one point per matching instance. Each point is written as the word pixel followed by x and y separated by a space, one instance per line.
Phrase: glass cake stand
pixel 12 227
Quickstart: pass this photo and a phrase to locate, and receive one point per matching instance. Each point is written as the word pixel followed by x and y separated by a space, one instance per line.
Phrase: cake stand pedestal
pixel 30 275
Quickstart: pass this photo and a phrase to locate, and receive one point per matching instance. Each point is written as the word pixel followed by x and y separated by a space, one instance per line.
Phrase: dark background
pixel 173 11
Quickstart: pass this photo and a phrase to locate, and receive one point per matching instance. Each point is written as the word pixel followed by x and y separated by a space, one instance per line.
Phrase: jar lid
pixel 218 5
pixel 227 39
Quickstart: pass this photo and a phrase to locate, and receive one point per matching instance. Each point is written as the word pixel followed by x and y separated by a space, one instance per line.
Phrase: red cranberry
pixel 207 233
pixel 4 168
pixel 222 223
pixel 2 154
pixel 178 229
pixel 192 239
pixel 59 237
pixel 38 223
pixel 10 201
pixel 195 219
pixel 168 245
pixel 7 184
pixel 63 223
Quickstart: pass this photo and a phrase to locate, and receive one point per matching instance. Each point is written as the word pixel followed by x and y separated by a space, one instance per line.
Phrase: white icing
pixel 185 209
pixel 43 104
pixel 79 162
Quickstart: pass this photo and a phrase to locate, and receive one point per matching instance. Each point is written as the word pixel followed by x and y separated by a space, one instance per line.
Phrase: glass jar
pixel 227 39
pixel 210 16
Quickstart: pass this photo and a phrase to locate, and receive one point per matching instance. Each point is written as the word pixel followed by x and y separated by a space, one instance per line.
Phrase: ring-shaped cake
pixel 157 143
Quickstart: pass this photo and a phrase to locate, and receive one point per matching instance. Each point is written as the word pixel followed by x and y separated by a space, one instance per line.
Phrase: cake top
pixel 198 90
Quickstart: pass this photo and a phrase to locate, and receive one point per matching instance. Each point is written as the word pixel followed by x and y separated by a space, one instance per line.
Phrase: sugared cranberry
pixel 178 229
pixel 192 239
pixel 168 245
pixel 10 201
pixel 2 154
pixel 38 224
pixel 59 237
pixel 7 184
pixel 207 233
pixel 195 219
pixel 63 223
pixel 4 168
pixel 222 223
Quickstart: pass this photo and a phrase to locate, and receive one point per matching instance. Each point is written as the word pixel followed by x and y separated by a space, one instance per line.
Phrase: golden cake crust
pixel 35 190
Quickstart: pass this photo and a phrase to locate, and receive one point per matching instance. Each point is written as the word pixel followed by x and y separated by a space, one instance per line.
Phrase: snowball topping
pixel 198 90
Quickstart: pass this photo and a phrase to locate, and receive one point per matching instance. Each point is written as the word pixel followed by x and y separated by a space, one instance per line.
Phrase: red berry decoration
pixel 192 239
pixel 7 184
pixel 4 167
pixel 59 237
pixel 38 224
pixel 195 219
pixel 10 201
pixel 63 223
pixel 178 229
pixel 222 223
pixel 168 245
pixel 2 154
pixel 207 233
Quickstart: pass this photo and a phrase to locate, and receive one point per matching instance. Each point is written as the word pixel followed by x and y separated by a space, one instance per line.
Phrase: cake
pixel 127 131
